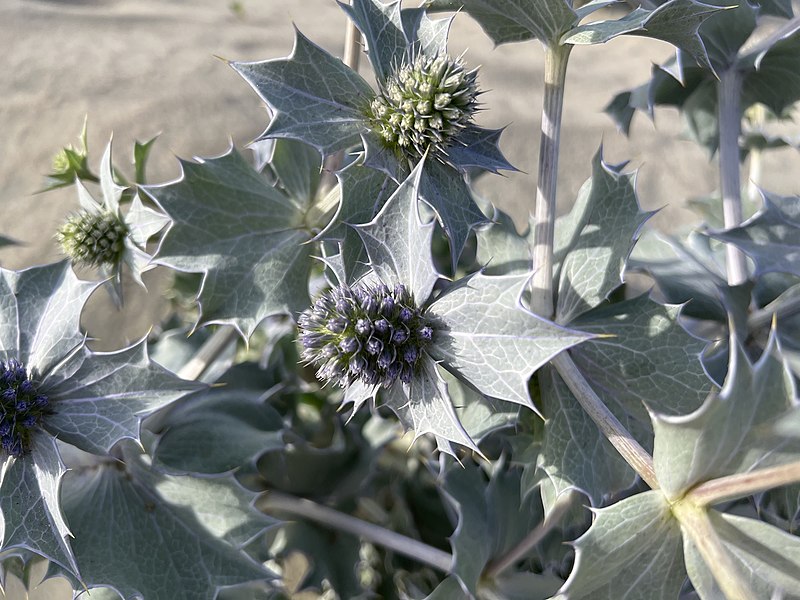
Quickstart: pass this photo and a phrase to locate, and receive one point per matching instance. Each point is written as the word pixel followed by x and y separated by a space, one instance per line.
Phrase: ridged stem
pixel 272 502
pixel 697 526
pixel 210 351
pixel 631 450
pixel 742 485
pixel 556 59
pixel 729 90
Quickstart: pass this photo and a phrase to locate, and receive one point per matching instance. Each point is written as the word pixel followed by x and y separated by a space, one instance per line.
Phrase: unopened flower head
pixel 93 239
pixel 374 334
pixel 21 408
pixel 425 104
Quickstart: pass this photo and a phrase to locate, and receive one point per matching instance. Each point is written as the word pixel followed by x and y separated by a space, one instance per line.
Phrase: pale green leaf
pixel 141 152
pixel 771 238
pixel 734 431
pixel 107 395
pixel 479 415
pixel 574 453
pixel 116 511
pixel 298 168
pixel 197 434
pixel 767 558
pixel 40 311
pixel 632 551
pixel 515 20
pixel 501 249
pixel 676 22
pixel 244 235
pixel 604 229
pixel 399 244
pixel 30 511
pixel 429 36
pixel 424 406
pixel 484 336
pixel 317 99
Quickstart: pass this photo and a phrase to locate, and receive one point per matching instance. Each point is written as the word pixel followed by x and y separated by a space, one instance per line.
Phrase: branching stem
pixel 544 215
pixel 272 502
pixel 633 453
pixel 744 484
pixel 529 542
pixel 697 526
pixel 729 90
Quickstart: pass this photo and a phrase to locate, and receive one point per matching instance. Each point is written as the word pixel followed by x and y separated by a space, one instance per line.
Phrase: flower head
pixel 374 334
pixel 93 238
pixel 21 408
pixel 425 104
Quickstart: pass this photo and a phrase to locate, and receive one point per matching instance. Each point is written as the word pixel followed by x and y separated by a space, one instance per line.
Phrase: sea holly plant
pixel 572 433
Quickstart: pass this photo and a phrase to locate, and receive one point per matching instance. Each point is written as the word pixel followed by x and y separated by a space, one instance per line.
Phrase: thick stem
pixel 729 90
pixel 742 485
pixel 633 453
pixel 301 507
pixel 544 216
pixel 529 542
pixel 697 526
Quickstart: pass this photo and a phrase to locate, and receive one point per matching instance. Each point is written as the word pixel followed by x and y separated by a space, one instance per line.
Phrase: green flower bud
pixel 93 239
pixel 425 105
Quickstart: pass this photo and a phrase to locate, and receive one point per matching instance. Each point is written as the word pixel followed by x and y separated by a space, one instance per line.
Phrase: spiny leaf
pixel 30 508
pixel 773 75
pixel 603 230
pixel 382 28
pixel 632 550
pixel 477 148
pixel 244 235
pixel 317 99
pixel 197 435
pixel 490 340
pixel 515 20
pixel 424 406
pixel 40 311
pixel 733 431
pixel 116 513
pixel 298 168
pixel 398 244
pixel 501 250
pixel 107 395
pixel 768 558
pixel 676 22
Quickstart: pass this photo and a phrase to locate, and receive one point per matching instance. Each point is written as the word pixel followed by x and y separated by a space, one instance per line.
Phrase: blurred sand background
pixel 138 68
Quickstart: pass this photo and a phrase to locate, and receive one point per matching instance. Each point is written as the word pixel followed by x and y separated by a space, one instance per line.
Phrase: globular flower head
pixel 425 104
pixel 93 238
pixel 21 408
pixel 374 334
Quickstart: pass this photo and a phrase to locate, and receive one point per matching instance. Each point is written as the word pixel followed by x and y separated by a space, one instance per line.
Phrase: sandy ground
pixel 142 67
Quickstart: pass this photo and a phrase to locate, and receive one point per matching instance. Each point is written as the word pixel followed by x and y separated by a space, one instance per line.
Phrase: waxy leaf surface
pixel 116 513
pixel 316 98
pixel 246 237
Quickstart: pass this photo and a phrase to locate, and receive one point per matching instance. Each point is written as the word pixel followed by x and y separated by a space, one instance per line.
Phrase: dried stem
pixel 696 525
pixel 633 453
pixel 523 548
pixel 272 502
pixel 744 484
pixel 729 91
pixel 208 353
pixel 544 216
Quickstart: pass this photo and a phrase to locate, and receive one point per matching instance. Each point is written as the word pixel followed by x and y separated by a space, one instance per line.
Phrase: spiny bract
pixel 373 334
pixel 93 239
pixel 21 407
pixel 425 104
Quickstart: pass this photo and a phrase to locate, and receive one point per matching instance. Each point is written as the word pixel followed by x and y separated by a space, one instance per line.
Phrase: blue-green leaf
pixel 487 338
pixel 107 395
pixel 515 20
pixel 116 511
pixel 317 99
pixel 382 28
pixel 771 238
pixel 397 242
pixel 477 148
pixel 733 431
pixel 632 550
pixel 246 237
